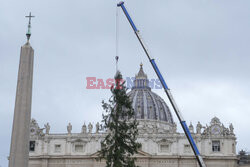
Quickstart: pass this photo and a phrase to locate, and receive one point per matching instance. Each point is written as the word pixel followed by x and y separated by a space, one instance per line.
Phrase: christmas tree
pixel 119 120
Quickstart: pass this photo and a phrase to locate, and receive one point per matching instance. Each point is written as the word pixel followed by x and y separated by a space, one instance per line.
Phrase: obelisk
pixel 19 149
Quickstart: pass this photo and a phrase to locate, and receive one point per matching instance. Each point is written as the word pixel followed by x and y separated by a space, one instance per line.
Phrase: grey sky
pixel 201 47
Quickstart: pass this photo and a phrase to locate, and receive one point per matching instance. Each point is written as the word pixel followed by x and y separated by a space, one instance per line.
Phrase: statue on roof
pixel 90 127
pixel 47 128
pixel 84 128
pixel 69 128
pixel 191 128
pixel 198 128
pixel 97 127
pixel 175 128
pixel 231 128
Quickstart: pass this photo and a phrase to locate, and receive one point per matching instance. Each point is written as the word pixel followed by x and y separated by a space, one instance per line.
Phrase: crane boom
pixel 166 89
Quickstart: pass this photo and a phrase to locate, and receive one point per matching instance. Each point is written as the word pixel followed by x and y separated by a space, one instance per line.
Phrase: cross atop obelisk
pixel 28 34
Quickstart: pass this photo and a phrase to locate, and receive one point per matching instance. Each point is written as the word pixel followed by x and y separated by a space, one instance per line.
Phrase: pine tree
pixel 120 144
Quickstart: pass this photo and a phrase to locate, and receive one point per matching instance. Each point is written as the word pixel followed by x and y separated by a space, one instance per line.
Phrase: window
pixel 32 145
pixel 57 148
pixel 186 148
pixel 79 148
pixel 164 148
pixel 216 146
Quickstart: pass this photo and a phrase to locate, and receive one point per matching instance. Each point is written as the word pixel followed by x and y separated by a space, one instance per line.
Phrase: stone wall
pixel 162 146
pixel 163 161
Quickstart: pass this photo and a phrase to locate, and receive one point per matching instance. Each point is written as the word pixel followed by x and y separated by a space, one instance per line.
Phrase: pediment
pixel 215 121
pixel 95 155
pixel 78 141
pixel 161 141
pixel 142 154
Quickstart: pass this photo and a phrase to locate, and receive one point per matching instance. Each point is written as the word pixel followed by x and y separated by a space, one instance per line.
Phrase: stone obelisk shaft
pixel 19 150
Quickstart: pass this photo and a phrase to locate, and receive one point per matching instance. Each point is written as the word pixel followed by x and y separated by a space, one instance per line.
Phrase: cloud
pixel 201 47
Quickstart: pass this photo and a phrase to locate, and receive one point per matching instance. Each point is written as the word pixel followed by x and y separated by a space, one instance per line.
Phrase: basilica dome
pixel 147 104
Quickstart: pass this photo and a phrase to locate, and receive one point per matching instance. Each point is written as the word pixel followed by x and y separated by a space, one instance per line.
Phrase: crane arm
pixel 166 89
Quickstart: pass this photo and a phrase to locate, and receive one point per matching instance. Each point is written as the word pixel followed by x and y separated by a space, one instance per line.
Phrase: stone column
pixel 19 149
pixel 45 162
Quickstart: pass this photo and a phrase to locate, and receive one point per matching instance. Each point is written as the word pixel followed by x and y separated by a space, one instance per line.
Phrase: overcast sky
pixel 201 46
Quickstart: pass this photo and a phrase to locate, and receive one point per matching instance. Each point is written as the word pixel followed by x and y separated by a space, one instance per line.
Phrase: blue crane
pixel 166 89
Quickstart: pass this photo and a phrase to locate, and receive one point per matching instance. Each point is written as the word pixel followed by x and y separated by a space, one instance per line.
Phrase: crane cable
pixel 117 38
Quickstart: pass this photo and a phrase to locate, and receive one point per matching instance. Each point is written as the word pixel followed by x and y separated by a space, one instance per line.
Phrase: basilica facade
pixel 162 145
